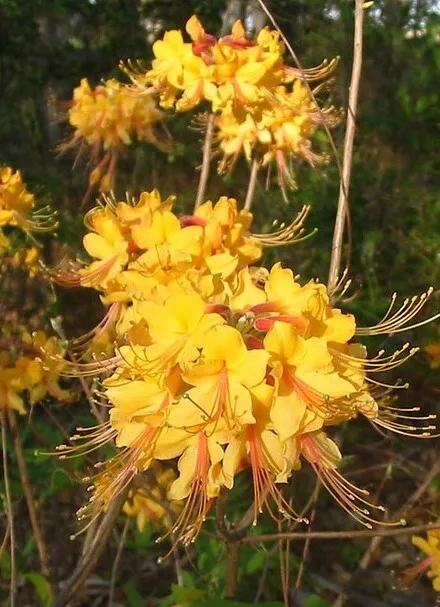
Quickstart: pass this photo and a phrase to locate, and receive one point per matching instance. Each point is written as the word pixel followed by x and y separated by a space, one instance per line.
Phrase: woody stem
pixel 343 208
pixel 206 162
pixel 233 560
pixel 251 186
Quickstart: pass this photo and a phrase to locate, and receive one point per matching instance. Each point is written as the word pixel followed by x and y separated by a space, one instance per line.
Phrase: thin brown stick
pixel 343 202
pixel 117 561
pixel 340 535
pixel 89 536
pixel 206 162
pixel 306 548
pixel 88 562
pixel 251 186
pixel 10 508
pixel 32 511
pixel 5 538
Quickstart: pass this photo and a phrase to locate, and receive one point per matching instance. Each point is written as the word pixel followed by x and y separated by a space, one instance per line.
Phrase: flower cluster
pixel 18 207
pixel 222 365
pixel 430 565
pixel 29 365
pixel 107 118
pixel 263 107
pixel 149 505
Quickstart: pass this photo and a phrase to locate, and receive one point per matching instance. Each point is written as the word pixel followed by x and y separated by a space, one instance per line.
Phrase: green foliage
pixel 316 601
pixel 191 597
pixel 41 586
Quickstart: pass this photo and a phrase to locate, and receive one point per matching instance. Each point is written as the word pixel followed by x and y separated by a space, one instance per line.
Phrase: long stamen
pixel 350 497
pixel 287 234
pixel 264 484
pixel 398 322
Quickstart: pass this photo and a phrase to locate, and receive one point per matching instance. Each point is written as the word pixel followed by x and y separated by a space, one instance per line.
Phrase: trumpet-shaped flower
pixel 305 379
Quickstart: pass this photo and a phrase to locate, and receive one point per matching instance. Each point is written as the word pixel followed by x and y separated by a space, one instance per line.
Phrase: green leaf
pixel 255 562
pixel 187 596
pixel 316 601
pixel 133 597
pixel 29 548
pixel 41 586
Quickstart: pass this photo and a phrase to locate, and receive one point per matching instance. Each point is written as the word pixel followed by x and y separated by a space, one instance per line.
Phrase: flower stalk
pixel 206 162
pixel 252 184
pixel 343 201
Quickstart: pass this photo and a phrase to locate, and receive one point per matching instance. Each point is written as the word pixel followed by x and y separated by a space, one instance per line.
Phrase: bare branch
pixel 341 535
pixel 116 562
pixel 251 186
pixel 206 162
pixel 88 562
pixel 343 203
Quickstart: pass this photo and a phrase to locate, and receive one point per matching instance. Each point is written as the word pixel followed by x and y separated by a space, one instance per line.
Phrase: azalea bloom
pixel 431 564
pixel 30 369
pixel 149 504
pixel 18 206
pixel 106 119
pixel 211 364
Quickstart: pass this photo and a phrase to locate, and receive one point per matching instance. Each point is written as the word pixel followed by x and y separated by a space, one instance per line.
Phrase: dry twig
pixel 206 162
pixel 89 560
pixel 341 535
pixel 343 203
pixel 117 561
pixel 252 183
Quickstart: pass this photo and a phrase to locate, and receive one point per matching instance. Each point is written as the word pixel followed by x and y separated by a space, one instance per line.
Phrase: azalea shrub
pixel 216 376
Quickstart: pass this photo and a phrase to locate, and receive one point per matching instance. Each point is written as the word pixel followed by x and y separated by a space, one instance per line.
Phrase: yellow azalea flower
pixel 28 258
pixel 11 383
pixel 107 244
pixel 262 451
pixel 324 456
pixel 149 505
pixel 305 378
pixel 200 479
pixel 17 205
pixel 107 118
pixel 140 213
pixel 275 128
pixel 245 293
pixel 288 301
pixel 430 565
pixel 229 71
pixel 35 369
pixel 167 243
pixel 15 200
pixel 176 328
pixel 50 354
pixel 226 229
pixel 223 380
